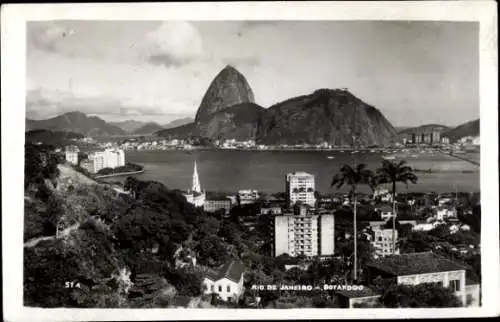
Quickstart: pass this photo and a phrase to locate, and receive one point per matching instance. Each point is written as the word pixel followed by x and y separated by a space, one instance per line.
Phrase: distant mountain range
pixel 228 111
pixel 76 122
pixel 94 126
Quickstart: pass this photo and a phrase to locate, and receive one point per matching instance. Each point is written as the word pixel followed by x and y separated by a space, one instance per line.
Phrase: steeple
pixel 196 181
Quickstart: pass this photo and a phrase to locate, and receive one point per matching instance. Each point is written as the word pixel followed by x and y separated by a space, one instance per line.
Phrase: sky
pixel 414 72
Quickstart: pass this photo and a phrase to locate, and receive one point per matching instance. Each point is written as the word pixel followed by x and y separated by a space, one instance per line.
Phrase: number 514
pixel 72 285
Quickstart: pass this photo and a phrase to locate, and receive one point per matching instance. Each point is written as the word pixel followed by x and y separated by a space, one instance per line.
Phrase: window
pixel 455 285
pixel 380 239
pixel 220 288
pixel 212 288
pixel 228 288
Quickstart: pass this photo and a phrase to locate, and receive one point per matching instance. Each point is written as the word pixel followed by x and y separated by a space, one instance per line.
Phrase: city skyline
pixel 121 70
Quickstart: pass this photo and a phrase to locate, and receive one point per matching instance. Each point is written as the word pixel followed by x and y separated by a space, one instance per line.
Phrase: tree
pixel 425 295
pixel 393 172
pixel 353 177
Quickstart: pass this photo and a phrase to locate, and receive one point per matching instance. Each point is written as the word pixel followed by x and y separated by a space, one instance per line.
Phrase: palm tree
pixel 393 172
pixel 353 176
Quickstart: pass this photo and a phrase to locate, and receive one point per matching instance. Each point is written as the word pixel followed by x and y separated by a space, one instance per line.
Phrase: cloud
pixel 48 36
pixel 175 43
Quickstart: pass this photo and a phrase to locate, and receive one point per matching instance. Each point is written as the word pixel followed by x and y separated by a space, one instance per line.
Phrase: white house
pixel 444 212
pixel 227 283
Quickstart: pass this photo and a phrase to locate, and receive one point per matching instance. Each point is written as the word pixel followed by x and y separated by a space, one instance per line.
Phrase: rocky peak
pixel 228 88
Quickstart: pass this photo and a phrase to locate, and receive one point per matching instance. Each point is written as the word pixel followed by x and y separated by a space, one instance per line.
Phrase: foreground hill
pixel 467 129
pixel 228 111
pixel 76 122
pixel 53 138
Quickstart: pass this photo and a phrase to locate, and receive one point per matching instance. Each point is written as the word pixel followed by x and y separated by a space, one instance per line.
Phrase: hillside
pixel 471 128
pixel 425 129
pixel 76 122
pixel 178 122
pixel 148 128
pixel 53 138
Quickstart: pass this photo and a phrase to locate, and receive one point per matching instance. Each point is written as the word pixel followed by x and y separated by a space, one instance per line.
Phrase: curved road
pixel 65 232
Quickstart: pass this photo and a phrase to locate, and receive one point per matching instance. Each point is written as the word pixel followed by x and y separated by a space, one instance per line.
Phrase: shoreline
pixel 118 174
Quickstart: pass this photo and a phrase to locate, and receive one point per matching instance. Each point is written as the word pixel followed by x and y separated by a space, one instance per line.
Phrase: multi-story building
pixel 196 196
pixel 436 137
pixel 212 205
pixel 425 267
pixel 109 158
pixel 71 154
pixel 382 241
pixel 249 196
pixel 445 140
pixel 300 187
pixel 417 138
pixel 306 232
pixel 427 138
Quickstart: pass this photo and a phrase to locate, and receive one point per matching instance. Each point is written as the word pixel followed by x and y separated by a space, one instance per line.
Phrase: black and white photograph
pixel 263 164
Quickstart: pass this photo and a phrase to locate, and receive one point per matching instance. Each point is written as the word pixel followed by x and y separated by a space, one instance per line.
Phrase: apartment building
pixel 304 231
pixel 300 187
pixel 382 241
pixel 109 158
pixel 71 154
pixel 425 267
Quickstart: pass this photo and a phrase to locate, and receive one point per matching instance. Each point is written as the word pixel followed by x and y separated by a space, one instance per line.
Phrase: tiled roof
pixel 415 263
pixel 232 270
pixel 365 292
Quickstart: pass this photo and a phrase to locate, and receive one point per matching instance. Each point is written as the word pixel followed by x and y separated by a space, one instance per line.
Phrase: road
pixel 33 242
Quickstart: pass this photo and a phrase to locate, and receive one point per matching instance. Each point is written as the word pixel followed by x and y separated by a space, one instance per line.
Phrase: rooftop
pixel 232 270
pixel 299 174
pixel 415 263
pixel 365 292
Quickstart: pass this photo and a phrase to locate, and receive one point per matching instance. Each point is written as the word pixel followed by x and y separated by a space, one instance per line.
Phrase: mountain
pixel 238 122
pixel 228 88
pixel 228 111
pixel 128 126
pixel 76 122
pixel 148 128
pixel 178 122
pixel 326 115
pixel 470 128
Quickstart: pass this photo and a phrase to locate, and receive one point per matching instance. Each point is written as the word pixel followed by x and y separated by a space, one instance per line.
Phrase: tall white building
pixel 196 196
pixel 71 154
pixel 304 232
pixel 109 158
pixel 300 187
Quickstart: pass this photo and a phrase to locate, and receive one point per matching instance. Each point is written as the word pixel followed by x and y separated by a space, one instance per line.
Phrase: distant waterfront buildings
pixel 304 231
pixel 300 187
pixel 71 154
pixel 196 196
pixel 109 158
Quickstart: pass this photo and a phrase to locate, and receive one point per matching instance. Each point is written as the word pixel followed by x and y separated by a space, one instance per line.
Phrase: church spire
pixel 196 181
